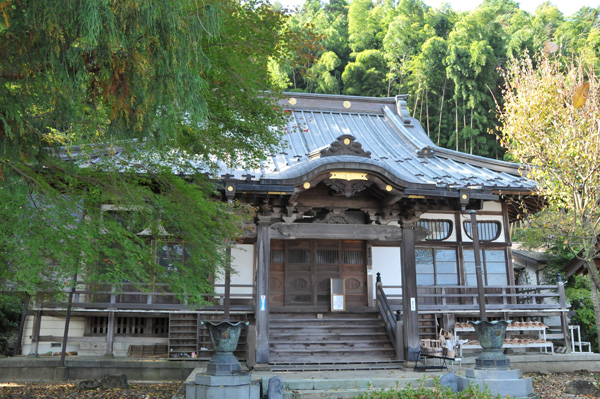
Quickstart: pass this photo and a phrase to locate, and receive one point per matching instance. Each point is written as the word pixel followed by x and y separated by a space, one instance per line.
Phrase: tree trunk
pixel 441 111
pixel 456 119
pixel 416 104
pixel 594 282
pixel 471 145
pixel 427 109
pixel 389 81
pixel 464 126
pixel 421 109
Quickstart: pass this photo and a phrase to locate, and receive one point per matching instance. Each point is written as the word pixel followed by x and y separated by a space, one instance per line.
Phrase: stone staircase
pixel 329 341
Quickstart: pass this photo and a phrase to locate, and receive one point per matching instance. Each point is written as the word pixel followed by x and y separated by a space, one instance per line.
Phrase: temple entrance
pixel 300 272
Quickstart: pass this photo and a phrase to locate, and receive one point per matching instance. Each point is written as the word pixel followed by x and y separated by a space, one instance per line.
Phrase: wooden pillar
pixel 263 250
pixel 110 334
pixel 370 293
pixel 35 335
pixel 410 308
pixel 17 348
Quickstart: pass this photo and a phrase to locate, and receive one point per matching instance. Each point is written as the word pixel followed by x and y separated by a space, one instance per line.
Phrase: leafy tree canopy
pixel 100 102
pixel 550 122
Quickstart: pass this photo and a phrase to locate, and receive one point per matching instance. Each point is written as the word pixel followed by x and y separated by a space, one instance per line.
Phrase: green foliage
pixel 578 293
pixel 548 127
pixel 11 308
pixel 127 104
pixel 447 61
pixel 420 391
pixel 365 76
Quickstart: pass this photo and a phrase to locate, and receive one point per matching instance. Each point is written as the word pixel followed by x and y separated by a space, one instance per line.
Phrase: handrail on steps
pixel 392 320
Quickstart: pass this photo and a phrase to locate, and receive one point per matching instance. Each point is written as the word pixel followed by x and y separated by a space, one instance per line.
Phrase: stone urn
pixel 491 336
pixel 224 336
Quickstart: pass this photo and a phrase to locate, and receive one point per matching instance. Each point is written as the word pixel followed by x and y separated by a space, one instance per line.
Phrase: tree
pixel 365 76
pixel 362 31
pixel 99 103
pixel 550 122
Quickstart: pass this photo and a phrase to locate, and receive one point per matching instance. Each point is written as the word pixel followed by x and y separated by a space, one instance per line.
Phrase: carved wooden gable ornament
pixel 345 145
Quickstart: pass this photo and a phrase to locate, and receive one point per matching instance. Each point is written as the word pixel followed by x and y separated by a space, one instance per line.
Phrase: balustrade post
pixel 399 337
pixel 564 322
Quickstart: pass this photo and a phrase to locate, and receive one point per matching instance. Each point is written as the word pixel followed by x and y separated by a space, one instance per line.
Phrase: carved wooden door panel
pixel 299 273
pixel 327 265
pixel 354 272
pixel 277 273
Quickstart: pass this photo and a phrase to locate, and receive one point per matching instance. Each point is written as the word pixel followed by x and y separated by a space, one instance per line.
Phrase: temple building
pixel 362 245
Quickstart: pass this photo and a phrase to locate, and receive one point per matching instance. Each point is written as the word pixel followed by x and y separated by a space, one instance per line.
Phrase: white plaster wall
pixel 492 206
pixel 52 326
pixel 386 260
pixel 243 264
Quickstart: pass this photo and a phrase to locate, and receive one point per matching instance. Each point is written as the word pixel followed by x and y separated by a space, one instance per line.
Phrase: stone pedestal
pixel 504 382
pixel 222 378
pixel 234 386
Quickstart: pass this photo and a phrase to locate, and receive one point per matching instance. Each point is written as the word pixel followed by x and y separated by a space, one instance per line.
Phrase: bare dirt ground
pixel 549 386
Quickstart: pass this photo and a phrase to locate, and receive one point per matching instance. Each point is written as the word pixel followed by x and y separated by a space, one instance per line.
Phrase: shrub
pixel 429 392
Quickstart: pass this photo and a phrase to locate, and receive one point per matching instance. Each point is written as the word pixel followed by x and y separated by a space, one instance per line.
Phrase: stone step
pixel 329 346
pixel 367 365
pixel 325 323
pixel 312 340
pixel 329 340
pixel 324 316
pixel 326 330
pixel 338 388
pixel 324 394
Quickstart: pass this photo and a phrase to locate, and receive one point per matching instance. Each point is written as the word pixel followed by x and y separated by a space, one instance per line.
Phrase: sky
pixel 567 7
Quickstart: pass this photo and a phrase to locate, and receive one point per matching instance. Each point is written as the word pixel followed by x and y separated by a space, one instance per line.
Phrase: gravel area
pixel 552 386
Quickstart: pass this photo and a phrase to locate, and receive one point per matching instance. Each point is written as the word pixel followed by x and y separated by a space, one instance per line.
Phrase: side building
pixel 362 223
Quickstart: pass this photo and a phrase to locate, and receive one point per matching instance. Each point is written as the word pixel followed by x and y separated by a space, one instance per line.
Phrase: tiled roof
pixel 399 147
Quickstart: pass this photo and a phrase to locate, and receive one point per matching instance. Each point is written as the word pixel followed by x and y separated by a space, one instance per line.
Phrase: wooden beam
pixel 322 201
pixel 335 231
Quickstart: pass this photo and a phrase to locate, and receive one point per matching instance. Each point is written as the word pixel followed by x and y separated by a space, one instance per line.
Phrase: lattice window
pixel 299 256
pixel 436 266
pixel 325 256
pixel 494 267
pixel 488 231
pixel 98 325
pixel 353 257
pixel 277 256
pixel 140 326
pixel 438 229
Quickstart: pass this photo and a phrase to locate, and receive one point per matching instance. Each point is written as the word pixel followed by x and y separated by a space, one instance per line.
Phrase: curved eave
pixel 298 174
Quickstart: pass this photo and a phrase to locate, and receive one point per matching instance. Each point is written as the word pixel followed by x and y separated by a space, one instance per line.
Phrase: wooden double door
pixel 300 272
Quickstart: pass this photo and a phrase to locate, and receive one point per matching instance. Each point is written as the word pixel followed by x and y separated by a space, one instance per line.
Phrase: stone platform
pixel 503 382
pixel 235 386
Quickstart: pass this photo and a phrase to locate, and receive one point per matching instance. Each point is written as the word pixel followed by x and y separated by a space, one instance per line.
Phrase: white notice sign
pixel 338 302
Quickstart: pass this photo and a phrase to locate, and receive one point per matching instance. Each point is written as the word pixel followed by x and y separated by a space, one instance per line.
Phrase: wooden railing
pixel 498 298
pixel 158 298
pixel 392 320
pixel 518 300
